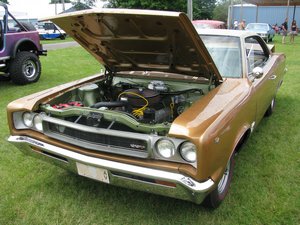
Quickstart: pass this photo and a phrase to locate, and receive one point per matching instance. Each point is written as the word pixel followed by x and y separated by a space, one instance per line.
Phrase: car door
pixel 259 58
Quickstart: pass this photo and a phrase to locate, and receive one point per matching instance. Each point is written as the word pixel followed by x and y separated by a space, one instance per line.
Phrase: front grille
pixel 99 139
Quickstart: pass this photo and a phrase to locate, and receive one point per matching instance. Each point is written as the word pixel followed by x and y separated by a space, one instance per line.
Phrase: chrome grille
pixel 98 139
pixel 101 139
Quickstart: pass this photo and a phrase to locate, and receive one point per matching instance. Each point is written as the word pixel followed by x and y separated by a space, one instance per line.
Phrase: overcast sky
pixel 37 8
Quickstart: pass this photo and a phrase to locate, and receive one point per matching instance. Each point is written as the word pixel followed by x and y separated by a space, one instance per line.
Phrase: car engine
pixel 126 104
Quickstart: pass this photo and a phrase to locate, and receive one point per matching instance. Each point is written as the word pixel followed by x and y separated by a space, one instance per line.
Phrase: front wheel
pixel 214 199
pixel 25 68
pixel 62 37
pixel 271 108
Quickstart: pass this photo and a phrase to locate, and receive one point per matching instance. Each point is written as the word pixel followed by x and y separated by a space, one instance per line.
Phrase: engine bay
pixel 127 104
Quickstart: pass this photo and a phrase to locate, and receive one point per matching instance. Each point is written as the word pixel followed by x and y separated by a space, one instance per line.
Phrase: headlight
pixel 188 152
pixel 38 123
pixel 165 148
pixel 27 119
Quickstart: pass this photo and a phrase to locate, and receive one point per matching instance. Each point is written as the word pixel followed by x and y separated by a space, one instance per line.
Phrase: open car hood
pixel 140 40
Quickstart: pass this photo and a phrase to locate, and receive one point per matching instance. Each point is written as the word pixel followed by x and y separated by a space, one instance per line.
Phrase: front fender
pixel 216 123
pixel 25 44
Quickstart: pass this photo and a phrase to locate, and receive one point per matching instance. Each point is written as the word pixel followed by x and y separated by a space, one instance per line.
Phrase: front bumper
pixel 120 174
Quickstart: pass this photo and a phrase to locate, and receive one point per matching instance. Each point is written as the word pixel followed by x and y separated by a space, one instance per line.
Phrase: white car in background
pixel 262 29
pixel 49 30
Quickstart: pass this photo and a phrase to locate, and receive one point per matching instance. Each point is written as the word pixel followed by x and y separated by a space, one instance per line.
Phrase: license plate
pixel 93 172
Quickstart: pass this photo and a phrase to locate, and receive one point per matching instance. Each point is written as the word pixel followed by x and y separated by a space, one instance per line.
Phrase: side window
pixel 257 55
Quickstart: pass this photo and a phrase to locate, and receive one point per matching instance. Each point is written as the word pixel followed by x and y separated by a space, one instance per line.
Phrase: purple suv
pixel 20 49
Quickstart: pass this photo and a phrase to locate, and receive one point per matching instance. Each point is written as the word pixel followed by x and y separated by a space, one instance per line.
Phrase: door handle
pixel 273 77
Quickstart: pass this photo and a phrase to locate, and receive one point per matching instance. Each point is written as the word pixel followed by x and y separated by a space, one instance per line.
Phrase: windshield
pixel 226 53
pixel 257 26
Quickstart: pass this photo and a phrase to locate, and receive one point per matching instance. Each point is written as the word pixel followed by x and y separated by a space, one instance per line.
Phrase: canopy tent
pixel 273 2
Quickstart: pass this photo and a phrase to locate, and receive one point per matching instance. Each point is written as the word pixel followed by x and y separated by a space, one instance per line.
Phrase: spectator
pixel 235 25
pixel 242 25
pixel 293 31
pixel 276 28
pixel 284 28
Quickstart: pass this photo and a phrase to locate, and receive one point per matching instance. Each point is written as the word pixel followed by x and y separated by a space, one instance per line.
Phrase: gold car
pixel 168 114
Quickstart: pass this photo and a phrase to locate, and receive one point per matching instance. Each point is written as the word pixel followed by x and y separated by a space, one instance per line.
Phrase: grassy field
pixel 265 187
pixel 57 40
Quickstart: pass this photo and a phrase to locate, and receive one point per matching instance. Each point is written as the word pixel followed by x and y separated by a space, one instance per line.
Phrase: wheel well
pixel 242 140
pixel 26 45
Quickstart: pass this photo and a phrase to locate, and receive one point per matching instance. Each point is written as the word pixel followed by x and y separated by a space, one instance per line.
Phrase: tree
pixel 221 10
pixel 176 5
pixel 59 2
pixel 83 4
pixel 202 9
pixel 4 1
pixel 77 4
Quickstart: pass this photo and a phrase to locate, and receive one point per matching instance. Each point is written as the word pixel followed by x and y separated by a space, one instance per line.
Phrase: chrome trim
pixel 5 58
pixel 186 187
pixel 150 139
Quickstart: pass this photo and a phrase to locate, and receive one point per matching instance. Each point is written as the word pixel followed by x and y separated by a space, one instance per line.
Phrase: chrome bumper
pixel 120 174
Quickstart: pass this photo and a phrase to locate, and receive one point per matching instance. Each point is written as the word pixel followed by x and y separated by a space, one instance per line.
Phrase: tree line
pixel 202 9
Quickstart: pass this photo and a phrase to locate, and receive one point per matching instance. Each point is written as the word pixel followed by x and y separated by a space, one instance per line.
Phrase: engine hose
pixel 112 104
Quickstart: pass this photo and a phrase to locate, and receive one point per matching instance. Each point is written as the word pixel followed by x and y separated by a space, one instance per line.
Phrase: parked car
pixel 20 49
pixel 209 24
pixel 262 29
pixel 169 113
pixel 49 31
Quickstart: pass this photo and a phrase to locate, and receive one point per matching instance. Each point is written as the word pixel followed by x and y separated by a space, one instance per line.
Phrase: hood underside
pixel 140 40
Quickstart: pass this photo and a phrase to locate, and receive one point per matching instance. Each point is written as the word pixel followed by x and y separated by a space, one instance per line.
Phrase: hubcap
pixel 223 182
pixel 29 68
pixel 272 103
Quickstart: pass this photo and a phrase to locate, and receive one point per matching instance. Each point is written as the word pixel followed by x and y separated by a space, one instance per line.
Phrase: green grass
pixel 264 190
pixel 57 40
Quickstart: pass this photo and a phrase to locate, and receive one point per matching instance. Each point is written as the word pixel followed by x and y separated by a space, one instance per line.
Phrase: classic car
pixel 209 24
pixel 262 29
pixel 167 115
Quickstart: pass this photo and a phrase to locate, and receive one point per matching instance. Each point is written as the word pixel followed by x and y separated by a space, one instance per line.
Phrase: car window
pixel 256 55
pixel 226 53
pixel 257 26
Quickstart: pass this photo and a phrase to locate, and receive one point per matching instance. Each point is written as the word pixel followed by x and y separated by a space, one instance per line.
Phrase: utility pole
pixel 190 9
pixel 230 15
pixel 241 12
pixel 287 9
pixel 55 7
pixel 63 4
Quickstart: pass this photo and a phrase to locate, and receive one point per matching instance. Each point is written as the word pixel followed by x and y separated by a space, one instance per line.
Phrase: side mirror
pixel 258 72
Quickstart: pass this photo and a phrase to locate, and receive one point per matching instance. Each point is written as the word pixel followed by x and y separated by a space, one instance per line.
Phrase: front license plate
pixel 93 172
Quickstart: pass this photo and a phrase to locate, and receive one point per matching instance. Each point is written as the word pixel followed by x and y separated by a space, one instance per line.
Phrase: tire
pixel 215 198
pixel 25 68
pixel 271 108
pixel 62 37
